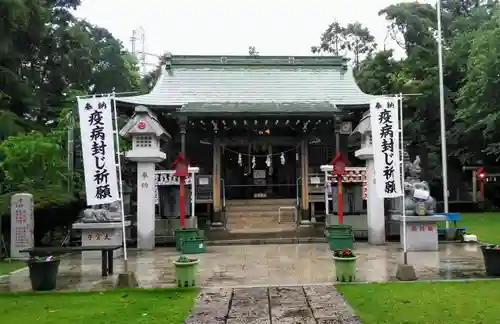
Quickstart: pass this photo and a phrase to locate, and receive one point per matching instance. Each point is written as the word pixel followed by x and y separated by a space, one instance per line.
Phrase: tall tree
pixel 353 39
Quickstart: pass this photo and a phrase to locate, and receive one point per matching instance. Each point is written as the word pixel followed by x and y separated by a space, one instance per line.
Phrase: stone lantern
pixel 375 205
pixel 146 134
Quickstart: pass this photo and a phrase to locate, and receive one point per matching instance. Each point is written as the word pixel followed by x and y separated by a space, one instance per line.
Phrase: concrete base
pixel 421 232
pixel 101 234
pixel 126 280
pixel 406 272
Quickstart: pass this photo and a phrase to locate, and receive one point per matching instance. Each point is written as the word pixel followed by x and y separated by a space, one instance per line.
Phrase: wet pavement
pixel 266 265
pixel 277 305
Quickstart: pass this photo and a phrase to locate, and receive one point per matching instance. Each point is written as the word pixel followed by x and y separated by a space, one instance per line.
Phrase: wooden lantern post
pixel 181 171
pixel 339 166
pixel 481 177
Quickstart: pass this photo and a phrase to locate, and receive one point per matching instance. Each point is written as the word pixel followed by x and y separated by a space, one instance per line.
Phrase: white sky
pixel 229 27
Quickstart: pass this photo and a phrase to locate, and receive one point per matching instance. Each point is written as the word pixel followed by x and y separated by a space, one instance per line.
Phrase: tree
pixel 479 96
pixel 47 57
pixel 252 51
pixel 354 39
pixel 36 162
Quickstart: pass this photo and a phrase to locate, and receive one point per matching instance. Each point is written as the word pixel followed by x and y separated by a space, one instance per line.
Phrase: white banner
pixel 385 138
pixel 98 149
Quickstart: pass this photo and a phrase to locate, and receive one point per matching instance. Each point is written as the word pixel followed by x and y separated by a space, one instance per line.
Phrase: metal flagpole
pixel 401 163
pixel 119 161
pixel 444 160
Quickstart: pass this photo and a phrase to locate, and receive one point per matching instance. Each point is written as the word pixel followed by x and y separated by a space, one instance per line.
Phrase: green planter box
pixel 193 245
pixel 185 233
pixel 341 241
pixel 345 269
pixel 185 273
pixel 339 229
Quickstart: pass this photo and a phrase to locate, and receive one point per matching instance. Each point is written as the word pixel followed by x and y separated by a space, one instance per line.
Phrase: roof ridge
pixel 240 60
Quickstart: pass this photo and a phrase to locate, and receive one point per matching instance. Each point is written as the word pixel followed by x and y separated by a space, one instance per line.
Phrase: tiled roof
pixel 253 80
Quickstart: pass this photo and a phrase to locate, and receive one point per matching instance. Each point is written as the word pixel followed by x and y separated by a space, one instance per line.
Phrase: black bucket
pixel 43 274
pixel 491 256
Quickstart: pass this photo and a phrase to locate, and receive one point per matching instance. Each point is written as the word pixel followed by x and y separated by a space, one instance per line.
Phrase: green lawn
pixel 425 303
pixel 7 267
pixel 170 306
pixel 485 225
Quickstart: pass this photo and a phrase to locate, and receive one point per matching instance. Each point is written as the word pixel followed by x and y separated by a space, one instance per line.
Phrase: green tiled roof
pixel 248 79
pixel 290 108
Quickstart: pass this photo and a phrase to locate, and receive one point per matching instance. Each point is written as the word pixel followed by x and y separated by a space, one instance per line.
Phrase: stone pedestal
pixel 375 208
pixel 421 232
pixel 374 204
pixel 101 234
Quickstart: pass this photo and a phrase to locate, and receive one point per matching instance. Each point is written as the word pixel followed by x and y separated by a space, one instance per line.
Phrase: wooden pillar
pixel 304 179
pixel 216 184
pixel 182 132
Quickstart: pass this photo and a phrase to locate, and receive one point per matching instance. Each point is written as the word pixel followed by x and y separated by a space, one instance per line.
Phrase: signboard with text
pixel 386 151
pixel 22 224
pixel 96 125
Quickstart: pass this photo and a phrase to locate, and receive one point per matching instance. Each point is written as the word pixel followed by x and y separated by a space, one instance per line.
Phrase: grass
pixel 134 306
pixel 474 302
pixel 485 225
pixel 7 267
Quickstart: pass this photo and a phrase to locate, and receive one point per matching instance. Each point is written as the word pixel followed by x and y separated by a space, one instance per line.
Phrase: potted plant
pixel 345 265
pixel 43 272
pixel 185 271
pixel 491 256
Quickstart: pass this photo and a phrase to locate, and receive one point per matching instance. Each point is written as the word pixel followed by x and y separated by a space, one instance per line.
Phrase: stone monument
pixel 22 225
pixel 419 209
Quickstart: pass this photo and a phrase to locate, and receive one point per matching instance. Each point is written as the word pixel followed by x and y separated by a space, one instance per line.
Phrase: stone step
pixel 252 228
pixel 264 207
pixel 259 202
pixel 258 214
pixel 285 218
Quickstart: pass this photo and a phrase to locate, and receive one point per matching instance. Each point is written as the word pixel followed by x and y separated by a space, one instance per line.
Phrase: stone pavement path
pixel 272 305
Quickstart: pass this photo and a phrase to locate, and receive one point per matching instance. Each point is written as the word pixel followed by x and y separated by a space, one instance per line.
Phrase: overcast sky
pixel 274 27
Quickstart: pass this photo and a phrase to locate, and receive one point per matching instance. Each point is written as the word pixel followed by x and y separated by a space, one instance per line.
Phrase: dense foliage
pixel 47 57
pixel 471 31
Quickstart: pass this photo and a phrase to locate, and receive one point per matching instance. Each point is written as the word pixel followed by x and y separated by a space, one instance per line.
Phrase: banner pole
pixel 119 165
pixel 401 162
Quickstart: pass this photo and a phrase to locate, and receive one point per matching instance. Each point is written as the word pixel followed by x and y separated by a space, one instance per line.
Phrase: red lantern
pixel 181 166
pixel 338 164
pixel 481 174
pixel 481 177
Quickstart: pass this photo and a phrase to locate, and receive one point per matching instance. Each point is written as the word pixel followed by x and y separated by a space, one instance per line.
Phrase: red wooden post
pixel 339 165
pixel 181 171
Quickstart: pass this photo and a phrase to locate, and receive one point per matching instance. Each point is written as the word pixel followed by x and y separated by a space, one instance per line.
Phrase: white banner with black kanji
pixel 98 150
pixel 385 138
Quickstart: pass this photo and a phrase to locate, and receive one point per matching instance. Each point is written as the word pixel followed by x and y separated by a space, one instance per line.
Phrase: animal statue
pixel 110 215
pixel 418 200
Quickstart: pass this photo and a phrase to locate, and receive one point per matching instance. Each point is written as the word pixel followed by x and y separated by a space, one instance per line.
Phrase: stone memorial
pixel 22 225
pixel 421 222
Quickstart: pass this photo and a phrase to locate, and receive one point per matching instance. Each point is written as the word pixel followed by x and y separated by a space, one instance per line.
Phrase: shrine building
pixel 255 130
